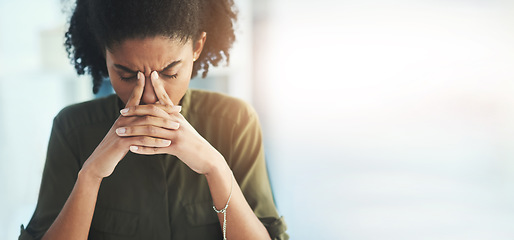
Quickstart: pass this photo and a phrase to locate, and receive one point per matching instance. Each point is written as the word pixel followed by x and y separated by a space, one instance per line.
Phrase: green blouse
pixel 158 196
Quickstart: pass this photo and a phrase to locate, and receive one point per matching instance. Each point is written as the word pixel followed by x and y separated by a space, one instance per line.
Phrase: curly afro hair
pixel 98 24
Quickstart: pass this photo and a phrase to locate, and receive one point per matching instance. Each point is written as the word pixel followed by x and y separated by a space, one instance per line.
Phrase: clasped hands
pixel 149 129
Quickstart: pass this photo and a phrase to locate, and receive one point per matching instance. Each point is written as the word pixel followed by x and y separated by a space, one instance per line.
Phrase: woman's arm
pixel 74 219
pixel 241 220
pixel 202 158
pixel 191 148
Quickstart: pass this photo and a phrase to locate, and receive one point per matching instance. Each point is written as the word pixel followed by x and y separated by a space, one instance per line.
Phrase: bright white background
pixel 383 119
pixel 392 119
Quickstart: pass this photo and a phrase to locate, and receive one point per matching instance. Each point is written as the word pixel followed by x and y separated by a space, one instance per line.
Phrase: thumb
pixel 137 92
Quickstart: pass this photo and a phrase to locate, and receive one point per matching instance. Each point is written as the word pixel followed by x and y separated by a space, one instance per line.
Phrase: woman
pixel 152 161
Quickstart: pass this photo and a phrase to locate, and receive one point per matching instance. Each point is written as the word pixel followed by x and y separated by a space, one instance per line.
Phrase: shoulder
pixel 219 105
pixel 88 113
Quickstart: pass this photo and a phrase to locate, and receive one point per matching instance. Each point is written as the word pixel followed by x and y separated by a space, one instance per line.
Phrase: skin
pixel 152 124
pixel 152 54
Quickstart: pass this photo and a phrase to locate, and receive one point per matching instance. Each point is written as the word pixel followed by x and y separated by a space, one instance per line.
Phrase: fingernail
pixel 133 148
pixel 154 75
pixel 123 111
pixel 175 125
pixel 121 131
pixel 177 108
pixel 166 142
pixel 139 75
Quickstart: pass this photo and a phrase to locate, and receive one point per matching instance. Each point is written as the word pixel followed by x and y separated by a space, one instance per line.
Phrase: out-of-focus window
pixel 390 119
pixel 36 81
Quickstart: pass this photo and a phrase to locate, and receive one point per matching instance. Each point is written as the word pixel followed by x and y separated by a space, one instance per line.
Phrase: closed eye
pixel 128 79
pixel 168 76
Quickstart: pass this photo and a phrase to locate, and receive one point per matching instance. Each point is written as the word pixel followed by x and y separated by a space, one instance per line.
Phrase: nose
pixel 149 96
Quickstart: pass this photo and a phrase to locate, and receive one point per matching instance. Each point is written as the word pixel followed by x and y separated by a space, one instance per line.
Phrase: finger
pixel 149 131
pixel 145 110
pixel 167 123
pixel 137 92
pixel 170 109
pixel 159 89
pixel 145 141
pixel 148 150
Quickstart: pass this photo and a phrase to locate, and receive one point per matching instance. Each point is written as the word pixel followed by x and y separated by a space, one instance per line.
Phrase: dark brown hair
pixel 98 24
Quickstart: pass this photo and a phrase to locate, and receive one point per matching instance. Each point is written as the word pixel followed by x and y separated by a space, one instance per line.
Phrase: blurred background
pixel 382 119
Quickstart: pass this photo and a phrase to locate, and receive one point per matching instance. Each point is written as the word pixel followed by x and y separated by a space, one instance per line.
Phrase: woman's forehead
pixel 154 53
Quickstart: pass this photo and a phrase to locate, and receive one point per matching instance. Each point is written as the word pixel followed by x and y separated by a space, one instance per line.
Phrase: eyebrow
pixel 127 69
pixel 173 64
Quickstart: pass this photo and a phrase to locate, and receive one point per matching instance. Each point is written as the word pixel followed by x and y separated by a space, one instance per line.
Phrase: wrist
pixel 217 167
pixel 87 175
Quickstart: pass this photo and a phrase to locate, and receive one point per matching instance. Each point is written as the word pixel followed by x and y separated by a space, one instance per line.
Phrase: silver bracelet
pixel 224 210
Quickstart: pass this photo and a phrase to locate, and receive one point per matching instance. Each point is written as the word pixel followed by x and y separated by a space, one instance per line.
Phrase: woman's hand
pixel 168 125
pixel 113 147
